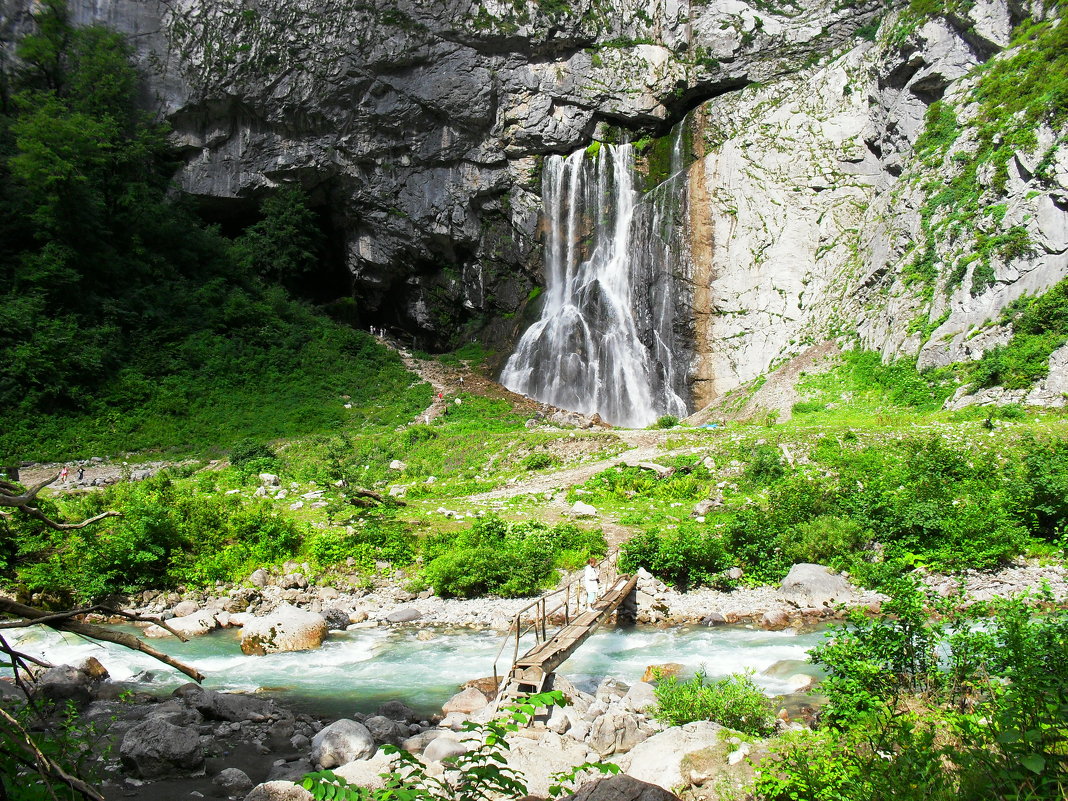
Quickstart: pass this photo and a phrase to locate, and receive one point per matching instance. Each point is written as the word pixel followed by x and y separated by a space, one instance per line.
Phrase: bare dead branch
pixel 27 752
pixel 15 609
pixel 12 496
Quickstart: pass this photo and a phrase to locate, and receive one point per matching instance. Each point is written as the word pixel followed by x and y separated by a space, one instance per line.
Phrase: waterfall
pixel 606 341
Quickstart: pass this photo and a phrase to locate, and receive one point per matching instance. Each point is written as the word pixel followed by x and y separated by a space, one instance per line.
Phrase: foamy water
pixel 356 671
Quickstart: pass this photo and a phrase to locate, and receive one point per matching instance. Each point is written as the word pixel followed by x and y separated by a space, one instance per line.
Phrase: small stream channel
pixel 358 670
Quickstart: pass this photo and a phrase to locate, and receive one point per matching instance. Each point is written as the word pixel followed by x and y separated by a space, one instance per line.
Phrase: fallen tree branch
pixel 12 496
pixel 65 623
pixel 26 751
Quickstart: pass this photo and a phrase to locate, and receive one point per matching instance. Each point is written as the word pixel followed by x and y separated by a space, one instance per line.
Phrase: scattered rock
pixel 465 702
pixel 156 749
pixel 341 742
pixel 816 585
pixel 406 614
pixel 287 628
pixel 233 781
pixel 279 791
pixel 621 788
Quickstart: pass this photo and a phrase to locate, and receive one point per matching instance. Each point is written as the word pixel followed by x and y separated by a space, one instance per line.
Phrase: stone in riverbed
pixel 406 614
pixel 442 748
pixel 156 749
pixel 233 781
pixel 285 629
pixel 185 608
pixel 815 585
pixel 465 702
pixel 279 791
pixel 342 741
pixel 385 730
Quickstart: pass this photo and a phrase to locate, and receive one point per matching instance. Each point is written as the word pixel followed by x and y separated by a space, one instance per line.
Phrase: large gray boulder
pixel 466 702
pixel 156 749
pixel 342 741
pixel 621 788
pixel 368 772
pixel 815 585
pixel 658 759
pixel 279 791
pixel 616 733
pixel 224 706
pixel 285 629
pixel 387 730
pixel 64 683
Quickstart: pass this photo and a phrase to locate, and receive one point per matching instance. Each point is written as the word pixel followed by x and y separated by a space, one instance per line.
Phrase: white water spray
pixel 604 341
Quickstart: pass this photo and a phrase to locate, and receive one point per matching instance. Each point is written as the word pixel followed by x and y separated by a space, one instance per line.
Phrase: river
pixel 358 670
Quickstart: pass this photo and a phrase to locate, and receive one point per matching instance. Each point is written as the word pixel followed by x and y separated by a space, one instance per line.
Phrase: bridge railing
pixel 554 610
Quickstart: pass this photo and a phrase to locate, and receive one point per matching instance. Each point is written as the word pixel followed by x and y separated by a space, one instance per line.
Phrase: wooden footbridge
pixel 561 621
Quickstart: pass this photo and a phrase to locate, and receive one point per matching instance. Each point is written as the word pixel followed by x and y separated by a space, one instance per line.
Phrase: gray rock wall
pixel 421 127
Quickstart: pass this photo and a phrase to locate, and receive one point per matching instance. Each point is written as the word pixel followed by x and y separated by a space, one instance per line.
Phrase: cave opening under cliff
pixel 328 286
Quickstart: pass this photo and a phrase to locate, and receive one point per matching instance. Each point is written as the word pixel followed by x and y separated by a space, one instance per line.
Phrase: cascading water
pixel 606 339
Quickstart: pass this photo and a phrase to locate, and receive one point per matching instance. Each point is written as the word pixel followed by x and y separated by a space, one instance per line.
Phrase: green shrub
pixel 666 421
pixel 765 465
pixel 537 461
pixel 512 560
pixel 825 540
pixel 734 702
pixel 687 556
pixel 808 407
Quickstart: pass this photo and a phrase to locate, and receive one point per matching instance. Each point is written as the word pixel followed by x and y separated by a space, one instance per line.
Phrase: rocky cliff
pixel 844 169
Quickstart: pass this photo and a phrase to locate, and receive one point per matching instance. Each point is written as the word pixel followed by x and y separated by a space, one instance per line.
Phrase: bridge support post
pixel 628 609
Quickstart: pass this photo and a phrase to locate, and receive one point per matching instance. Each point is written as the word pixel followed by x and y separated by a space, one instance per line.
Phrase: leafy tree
pixel 287 243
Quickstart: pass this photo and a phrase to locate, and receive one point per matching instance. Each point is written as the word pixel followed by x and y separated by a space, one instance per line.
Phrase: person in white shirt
pixel 591 580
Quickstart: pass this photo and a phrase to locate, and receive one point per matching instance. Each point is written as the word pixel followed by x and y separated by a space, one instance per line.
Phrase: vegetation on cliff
pixel 126 323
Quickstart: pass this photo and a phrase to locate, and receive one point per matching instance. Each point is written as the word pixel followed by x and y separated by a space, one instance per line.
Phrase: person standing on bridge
pixel 591 580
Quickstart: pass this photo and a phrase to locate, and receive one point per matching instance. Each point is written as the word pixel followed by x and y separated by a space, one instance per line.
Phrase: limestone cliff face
pixel 421 124
pixel 813 164
pixel 839 200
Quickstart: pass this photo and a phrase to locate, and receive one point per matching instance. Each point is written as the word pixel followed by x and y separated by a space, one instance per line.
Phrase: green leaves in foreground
pixel 479 774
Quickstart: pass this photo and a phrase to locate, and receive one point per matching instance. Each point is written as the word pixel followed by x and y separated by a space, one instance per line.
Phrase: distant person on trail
pixel 81 473
pixel 591 580
pixel 64 473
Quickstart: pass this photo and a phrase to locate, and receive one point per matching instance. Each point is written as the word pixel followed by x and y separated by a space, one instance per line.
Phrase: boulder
pixel 774 620
pixel 397 464
pixel 186 608
pixel 233 781
pixel 539 759
pixel 368 772
pixel 195 624
pixel 465 702
pixel 417 743
pixel 259 578
pixel 285 629
pixel 155 749
pixel 64 683
pixel 92 668
pixel 664 671
pixel 442 748
pixel 398 710
pixel 269 480
pixel 336 619
pixel 620 788
pixel 640 696
pixel 342 741
pixel 657 760
pixel 583 509
pixel 816 585
pixel 224 706
pixel 385 730
pixel 406 614
pixel 279 791
pixel 616 733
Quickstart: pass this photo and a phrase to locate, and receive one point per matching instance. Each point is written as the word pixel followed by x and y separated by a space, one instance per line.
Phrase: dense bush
pixel 493 557
pixel 733 701
pixel 168 534
pixel 968 705
pixel 686 556
pixel 125 322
